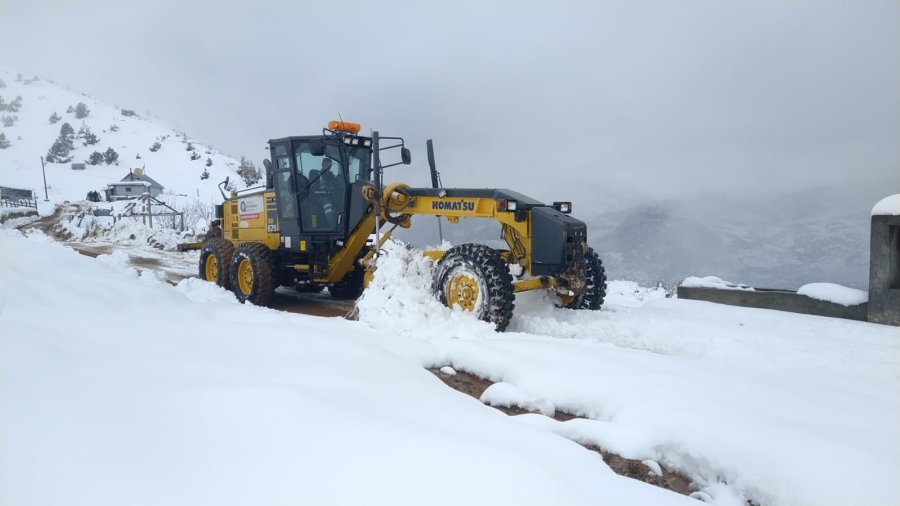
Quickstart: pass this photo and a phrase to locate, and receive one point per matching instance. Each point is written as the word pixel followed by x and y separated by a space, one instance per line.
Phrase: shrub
pixel 111 157
pixel 81 110
pixel 96 158
pixel 195 156
pixel 10 120
pixel 209 162
pixel 54 118
pixel 155 147
pixel 128 112
pixel 3 142
pixel 15 105
pixel 204 174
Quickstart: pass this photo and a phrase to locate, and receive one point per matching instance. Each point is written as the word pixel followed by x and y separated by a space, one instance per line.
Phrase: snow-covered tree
pixel 248 172
pixel 70 109
pixel 3 142
pixel 128 112
pixel 2 84
pixel 204 174
pixel 155 147
pixel 54 118
pixel 190 147
pixel 195 156
pixel 209 162
pixel 81 110
pixel 96 158
pixel 61 150
pixel 3 104
pixel 113 128
pixel 10 120
pixel 15 105
pixel 87 136
pixel 111 156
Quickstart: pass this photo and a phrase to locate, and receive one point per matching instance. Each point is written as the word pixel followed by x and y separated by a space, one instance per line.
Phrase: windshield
pixel 312 167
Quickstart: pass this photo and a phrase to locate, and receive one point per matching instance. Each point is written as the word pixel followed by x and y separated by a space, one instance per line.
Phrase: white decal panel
pixel 250 207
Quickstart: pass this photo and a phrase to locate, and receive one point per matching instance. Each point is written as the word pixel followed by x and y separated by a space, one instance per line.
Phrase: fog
pixel 672 98
pixel 606 103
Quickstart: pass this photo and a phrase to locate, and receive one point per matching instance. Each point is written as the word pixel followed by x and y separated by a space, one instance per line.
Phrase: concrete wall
pixel 884 270
pixel 781 300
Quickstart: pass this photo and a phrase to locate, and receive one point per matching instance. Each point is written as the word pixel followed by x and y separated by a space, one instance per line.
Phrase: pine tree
pixel 54 118
pixel 87 136
pixel 70 109
pixel 195 156
pixel 81 111
pixel 190 147
pixel 2 84
pixel 111 156
pixel 96 158
pixel 15 105
pixel 3 142
pixel 3 104
pixel 204 174
pixel 248 172
pixel 61 150
pixel 128 112
pixel 209 162
pixel 155 147
pixel 10 120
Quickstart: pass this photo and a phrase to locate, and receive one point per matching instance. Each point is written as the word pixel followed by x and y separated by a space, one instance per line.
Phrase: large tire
pixel 253 273
pixel 351 287
pixel 475 278
pixel 593 295
pixel 215 261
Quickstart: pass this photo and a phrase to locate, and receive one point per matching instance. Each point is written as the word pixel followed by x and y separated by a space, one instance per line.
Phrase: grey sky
pixel 665 98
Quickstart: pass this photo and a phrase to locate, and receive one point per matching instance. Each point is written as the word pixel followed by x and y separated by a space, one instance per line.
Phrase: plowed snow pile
pixel 774 407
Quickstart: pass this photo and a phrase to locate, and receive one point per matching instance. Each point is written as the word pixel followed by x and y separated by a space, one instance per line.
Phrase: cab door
pixel 286 196
pixel 322 190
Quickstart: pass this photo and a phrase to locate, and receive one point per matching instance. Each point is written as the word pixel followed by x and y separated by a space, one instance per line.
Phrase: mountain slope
pixel 32 135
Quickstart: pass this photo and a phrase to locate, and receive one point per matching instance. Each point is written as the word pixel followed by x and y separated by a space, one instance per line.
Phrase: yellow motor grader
pixel 324 213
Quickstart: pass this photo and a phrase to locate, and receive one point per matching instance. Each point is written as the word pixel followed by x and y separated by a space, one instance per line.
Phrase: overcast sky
pixel 669 98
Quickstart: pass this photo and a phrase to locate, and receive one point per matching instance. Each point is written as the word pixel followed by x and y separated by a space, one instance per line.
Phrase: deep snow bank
pixel 117 389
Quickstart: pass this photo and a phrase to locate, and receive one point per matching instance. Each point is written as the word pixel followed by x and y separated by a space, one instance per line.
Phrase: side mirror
pixel 317 147
pixel 405 156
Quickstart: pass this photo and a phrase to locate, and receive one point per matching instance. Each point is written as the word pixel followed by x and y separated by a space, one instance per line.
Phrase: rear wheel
pixel 593 295
pixel 474 278
pixel 253 273
pixel 215 259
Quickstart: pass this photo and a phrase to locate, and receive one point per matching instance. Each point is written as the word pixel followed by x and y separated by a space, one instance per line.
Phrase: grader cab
pixel 309 227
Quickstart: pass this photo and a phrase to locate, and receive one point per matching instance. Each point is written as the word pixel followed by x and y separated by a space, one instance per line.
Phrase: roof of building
pixel 131 176
pixel 130 183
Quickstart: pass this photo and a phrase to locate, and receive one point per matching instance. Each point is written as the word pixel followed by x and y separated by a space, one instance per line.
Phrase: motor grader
pixel 325 212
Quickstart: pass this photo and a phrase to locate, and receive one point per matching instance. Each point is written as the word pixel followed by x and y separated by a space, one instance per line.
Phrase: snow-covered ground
pixel 118 389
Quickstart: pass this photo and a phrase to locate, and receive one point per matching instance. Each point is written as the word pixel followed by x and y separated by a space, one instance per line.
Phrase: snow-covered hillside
pixel 32 135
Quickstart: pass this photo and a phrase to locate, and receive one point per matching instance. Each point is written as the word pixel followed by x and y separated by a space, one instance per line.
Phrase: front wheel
pixel 253 273
pixel 595 292
pixel 474 278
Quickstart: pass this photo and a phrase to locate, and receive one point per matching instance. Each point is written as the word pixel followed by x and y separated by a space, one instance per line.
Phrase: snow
pixel 449 371
pixel 692 385
pixel 137 391
pixel 713 282
pixel 506 395
pixel 831 292
pixel 889 206
pixel 653 465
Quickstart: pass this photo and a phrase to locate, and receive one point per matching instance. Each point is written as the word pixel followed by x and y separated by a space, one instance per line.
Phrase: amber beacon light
pixel 344 126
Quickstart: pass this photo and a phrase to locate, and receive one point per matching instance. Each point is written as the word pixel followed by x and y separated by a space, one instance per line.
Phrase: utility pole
pixel 44 172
